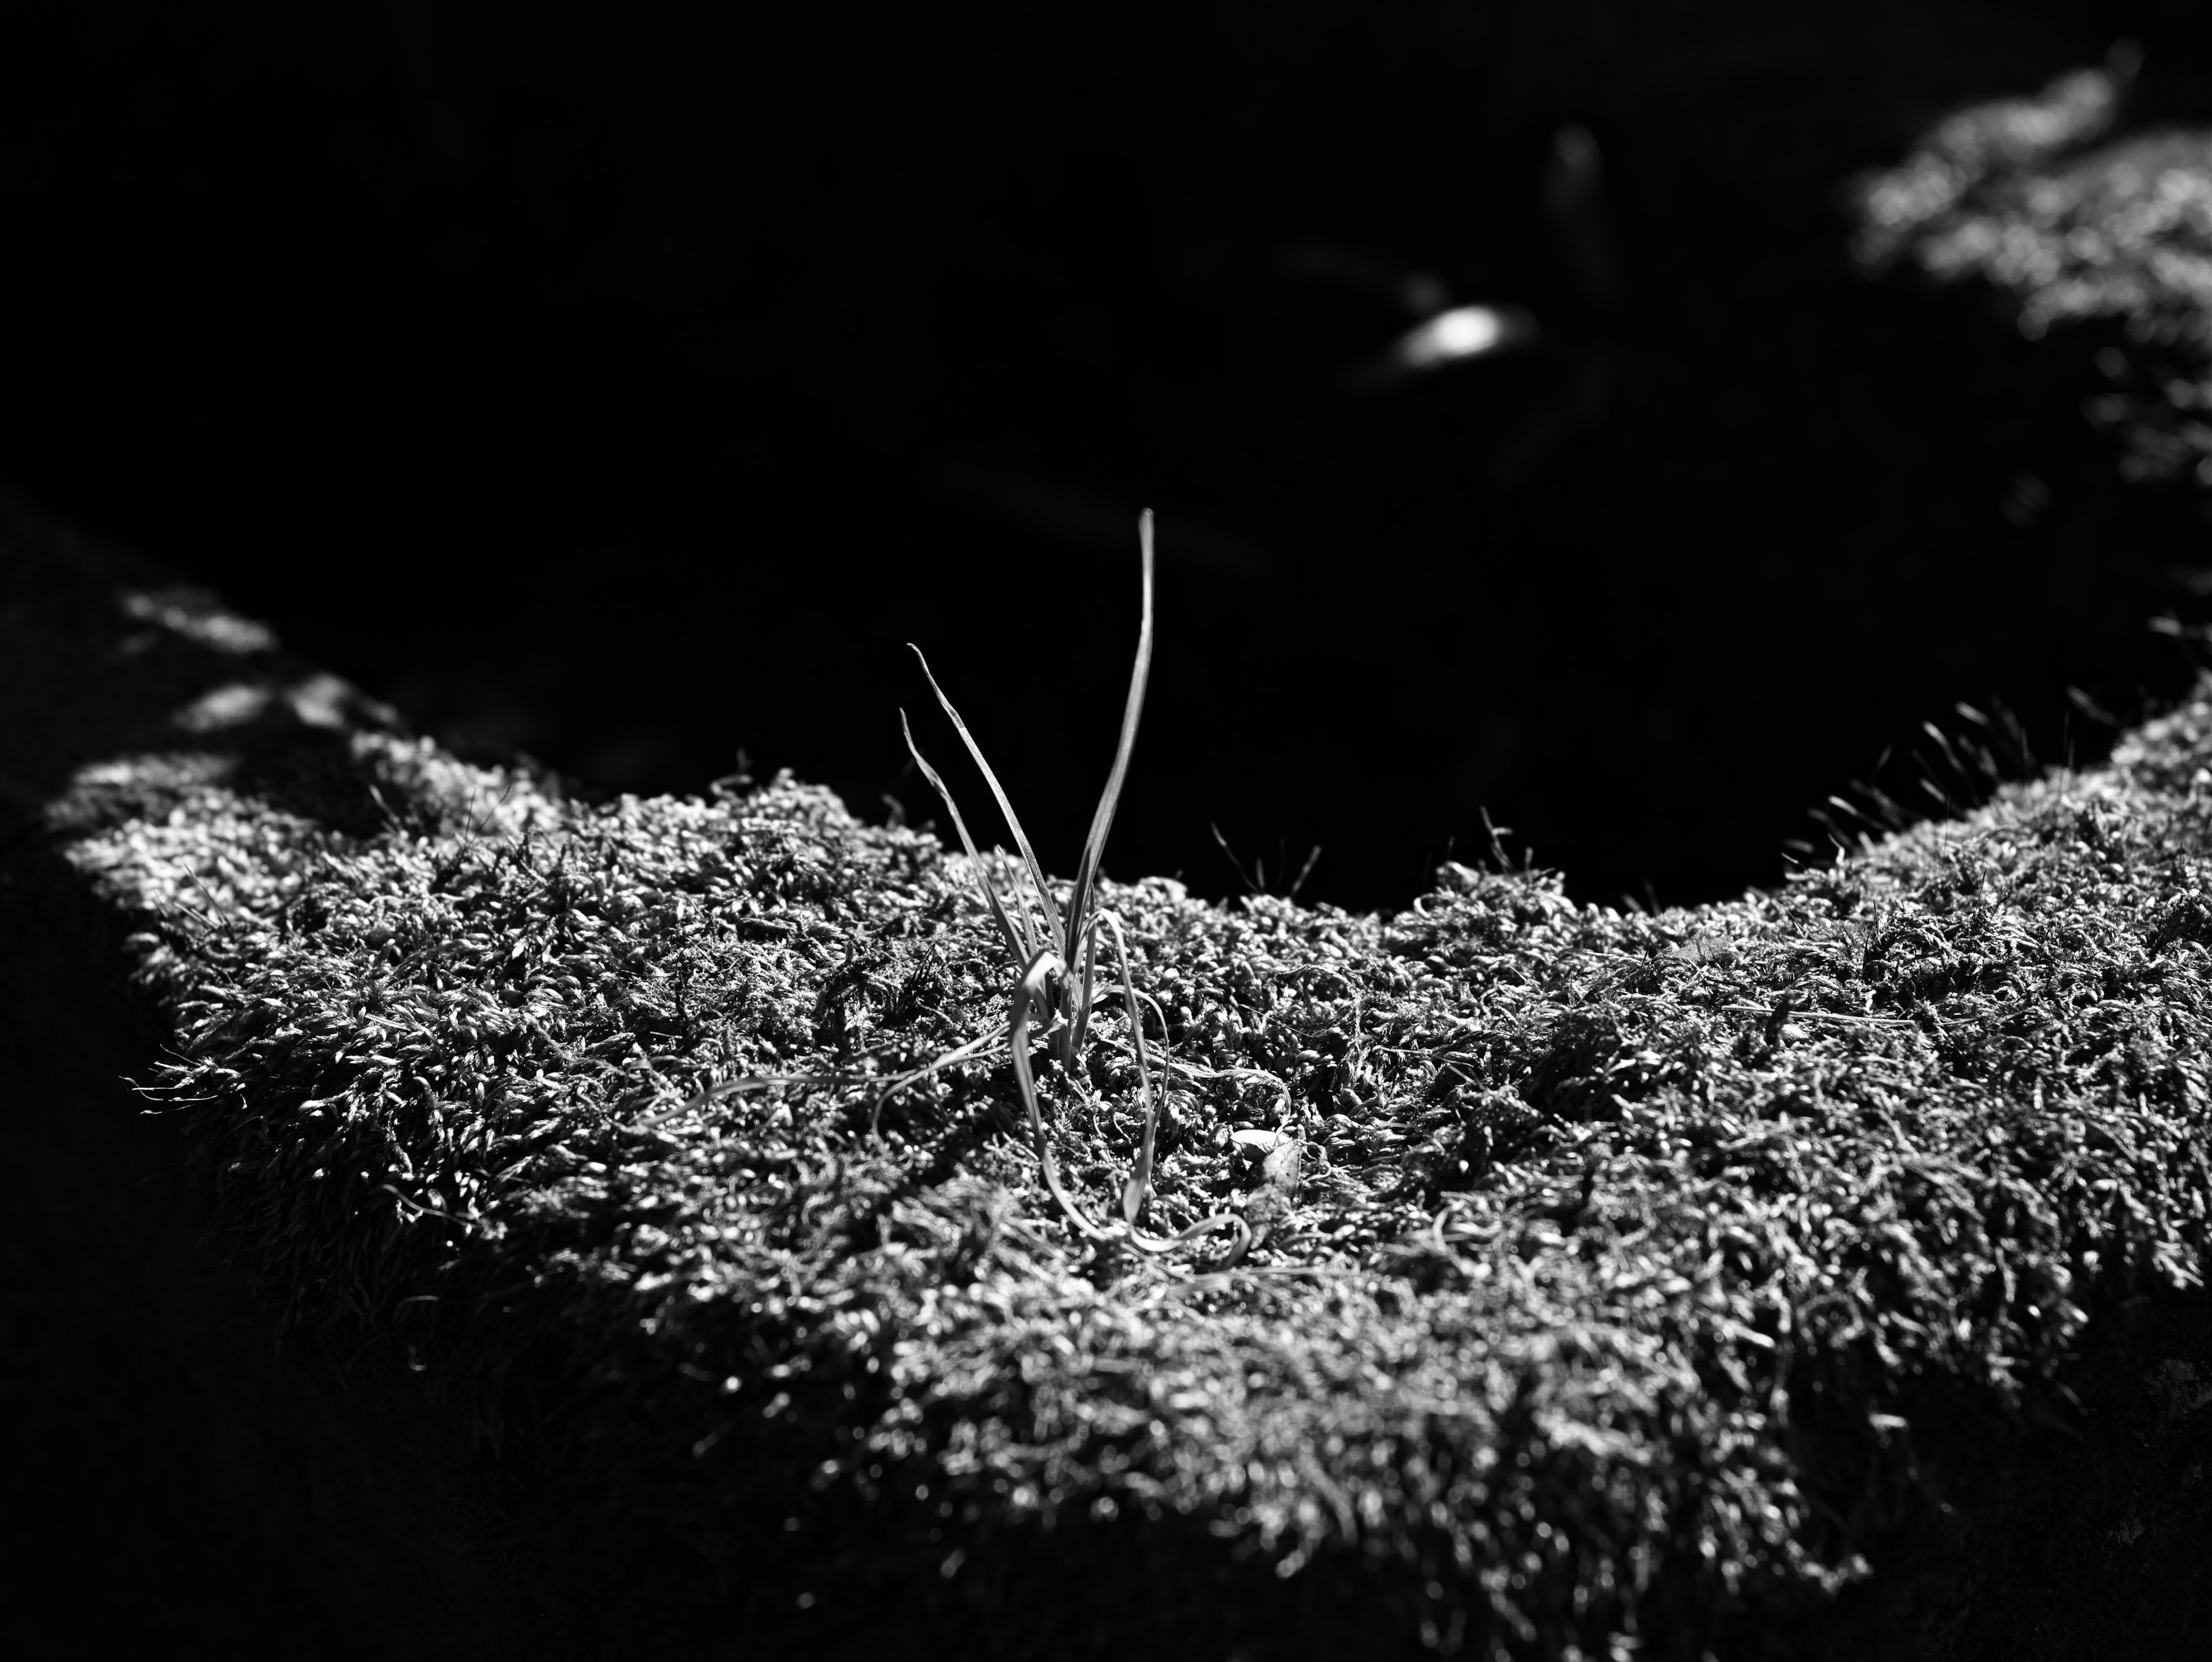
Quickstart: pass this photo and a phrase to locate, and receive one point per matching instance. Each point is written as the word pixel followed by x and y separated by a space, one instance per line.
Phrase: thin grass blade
pixel 1140 1175
pixel 1019 948
pixel 1078 1022
pixel 891 1087
pixel 1006 808
pixel 1102 822
pixel 1027 996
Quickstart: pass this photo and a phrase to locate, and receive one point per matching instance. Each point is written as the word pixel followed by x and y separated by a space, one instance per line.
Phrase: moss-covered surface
pixel 2064 230
pixel 1644 1279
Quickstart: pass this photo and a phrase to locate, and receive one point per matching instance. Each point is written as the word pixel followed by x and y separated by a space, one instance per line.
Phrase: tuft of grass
pixel 1044 946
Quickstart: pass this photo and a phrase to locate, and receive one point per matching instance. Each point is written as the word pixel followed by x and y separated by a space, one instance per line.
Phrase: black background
pixel 600 381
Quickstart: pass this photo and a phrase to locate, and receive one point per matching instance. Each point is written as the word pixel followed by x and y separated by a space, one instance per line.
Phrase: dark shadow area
pixel 183 1485
pixel 2078 1530
pixel 630 393
pixel 187 1482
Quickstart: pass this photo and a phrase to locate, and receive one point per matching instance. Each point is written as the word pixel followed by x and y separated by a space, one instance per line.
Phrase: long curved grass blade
pixel 892 1088
pixel 1102 821
pixel 1027 996
pixel 730 1088
pixel 1019 948
pixel 1158 1246
pixel 1078 1024
pixel 1006 808
pixel 1140 1174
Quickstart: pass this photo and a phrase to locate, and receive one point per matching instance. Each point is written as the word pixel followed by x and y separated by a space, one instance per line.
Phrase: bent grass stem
pixel 1043 946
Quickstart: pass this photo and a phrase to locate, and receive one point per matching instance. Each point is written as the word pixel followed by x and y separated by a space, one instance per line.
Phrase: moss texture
pixel 2062 230
pixel 1640 1281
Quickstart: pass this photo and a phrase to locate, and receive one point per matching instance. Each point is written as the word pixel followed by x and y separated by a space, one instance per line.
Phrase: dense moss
pixel 1627 1258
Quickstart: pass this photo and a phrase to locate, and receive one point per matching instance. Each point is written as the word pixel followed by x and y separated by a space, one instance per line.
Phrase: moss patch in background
pixel 1645 1282
pixel 2068 224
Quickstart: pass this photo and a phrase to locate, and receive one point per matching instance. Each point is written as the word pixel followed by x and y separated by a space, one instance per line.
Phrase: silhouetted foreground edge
pixel 1631 1283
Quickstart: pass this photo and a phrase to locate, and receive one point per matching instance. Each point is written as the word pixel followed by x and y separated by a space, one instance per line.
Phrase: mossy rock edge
pixel 1808 1275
